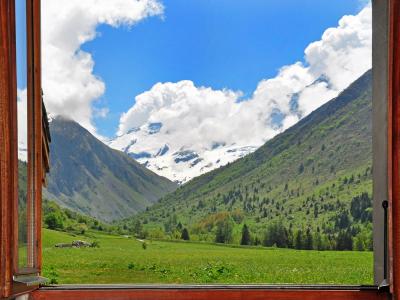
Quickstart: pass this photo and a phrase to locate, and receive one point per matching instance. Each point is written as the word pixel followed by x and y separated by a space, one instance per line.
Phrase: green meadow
pixel 120 259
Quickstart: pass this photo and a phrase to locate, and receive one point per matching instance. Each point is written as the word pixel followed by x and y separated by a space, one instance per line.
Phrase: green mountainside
pixel 54 216
pixel 90 178
pixel 308 187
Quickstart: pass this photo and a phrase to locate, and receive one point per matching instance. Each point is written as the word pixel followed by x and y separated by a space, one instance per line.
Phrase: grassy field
pixel 124 260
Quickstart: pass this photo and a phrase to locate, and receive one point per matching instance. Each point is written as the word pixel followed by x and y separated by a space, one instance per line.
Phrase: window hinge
pixel 383 286
pixel 30 280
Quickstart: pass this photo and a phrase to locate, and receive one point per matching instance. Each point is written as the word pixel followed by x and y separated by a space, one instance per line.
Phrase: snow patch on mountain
pixel 151 146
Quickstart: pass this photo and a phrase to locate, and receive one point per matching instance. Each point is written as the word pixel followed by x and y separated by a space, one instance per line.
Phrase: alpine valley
pixel 308 187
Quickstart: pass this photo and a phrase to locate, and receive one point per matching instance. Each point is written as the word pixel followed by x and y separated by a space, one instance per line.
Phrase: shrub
pixel 131 266
pixel 53 276
pixel 95 244
pixel 54 221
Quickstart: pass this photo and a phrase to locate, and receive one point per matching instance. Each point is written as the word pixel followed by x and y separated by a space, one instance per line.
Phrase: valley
pixel 268 217
pixel 312 182
pixel 124 260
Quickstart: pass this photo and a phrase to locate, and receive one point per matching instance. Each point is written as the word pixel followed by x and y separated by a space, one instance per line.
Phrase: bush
pixel 95 244
pixel 131 266
pixel 53 276
pixel 54 221
pixel 81 228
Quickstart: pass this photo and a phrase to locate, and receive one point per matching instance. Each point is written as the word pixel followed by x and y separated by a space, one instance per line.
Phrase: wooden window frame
pixel 9 144
pixel 8 189
pixel 34 151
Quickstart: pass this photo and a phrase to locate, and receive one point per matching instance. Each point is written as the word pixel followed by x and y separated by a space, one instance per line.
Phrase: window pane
pixel 25 206
pixel 244 152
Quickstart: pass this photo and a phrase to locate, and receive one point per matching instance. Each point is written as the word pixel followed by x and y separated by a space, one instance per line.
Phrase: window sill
pixel 209 292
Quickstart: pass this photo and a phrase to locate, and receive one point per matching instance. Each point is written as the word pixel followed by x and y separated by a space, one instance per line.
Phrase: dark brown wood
pixel 211 294
pixel 9 153
pixel 7 140
pixel 8 173
pixel 34 174
pixel 38 130
pixel 394 146
pixel 31 192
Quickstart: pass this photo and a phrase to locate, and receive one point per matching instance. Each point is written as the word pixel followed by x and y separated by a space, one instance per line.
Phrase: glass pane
pixel 245 151
pixel 23 206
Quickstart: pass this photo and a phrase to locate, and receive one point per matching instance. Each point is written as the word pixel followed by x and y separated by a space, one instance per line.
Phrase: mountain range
pixel 178 164
pixel 89 177
pixel 310 176
pixel 158 146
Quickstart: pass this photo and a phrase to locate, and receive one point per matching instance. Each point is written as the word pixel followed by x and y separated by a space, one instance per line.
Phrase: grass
pixel 124 260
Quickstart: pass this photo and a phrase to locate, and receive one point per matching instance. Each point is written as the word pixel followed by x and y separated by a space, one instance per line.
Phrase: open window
pixel 25 160
pixel 25 153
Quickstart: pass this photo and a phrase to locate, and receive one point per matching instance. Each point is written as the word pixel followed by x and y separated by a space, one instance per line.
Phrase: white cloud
pixel 69 85
pixel 22 124
pixel 197 117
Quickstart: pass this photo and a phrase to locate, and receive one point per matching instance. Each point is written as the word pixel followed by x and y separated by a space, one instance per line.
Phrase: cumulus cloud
pixel 69 85
pixel 196 118
pixel 22 124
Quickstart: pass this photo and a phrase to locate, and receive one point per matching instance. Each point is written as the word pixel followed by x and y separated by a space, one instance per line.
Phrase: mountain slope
pixel 306 176
pixel 91 178
pixel 176 163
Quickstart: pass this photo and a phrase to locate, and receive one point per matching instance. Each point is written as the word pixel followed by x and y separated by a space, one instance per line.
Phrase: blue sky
pixel 20 17
pixel 219 44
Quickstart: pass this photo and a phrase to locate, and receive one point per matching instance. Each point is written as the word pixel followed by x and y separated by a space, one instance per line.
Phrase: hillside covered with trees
pixel 310 187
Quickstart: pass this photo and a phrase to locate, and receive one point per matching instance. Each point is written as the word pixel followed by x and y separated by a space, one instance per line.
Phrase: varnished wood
pixel 394 146
pixel 34 154
pixel 210 294
pixel 8 169
pixel 9 146
pixel 38 128
pixel 31 140
pixel 7 140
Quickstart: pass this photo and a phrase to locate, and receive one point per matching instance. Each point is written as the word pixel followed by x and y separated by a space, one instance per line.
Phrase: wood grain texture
pixel 38 128
pixel 7 141
pixel 211 294
pixel 8 159
pixel 9 154
pixel 394 147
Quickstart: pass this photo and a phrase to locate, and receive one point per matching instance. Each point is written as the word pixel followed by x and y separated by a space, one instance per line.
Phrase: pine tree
pixel 138 228
pixel 344 240
pixel 245 236
pixel 301 168
pixel 185 234
pixel 308 244
pixel 224 231
pixel 299 240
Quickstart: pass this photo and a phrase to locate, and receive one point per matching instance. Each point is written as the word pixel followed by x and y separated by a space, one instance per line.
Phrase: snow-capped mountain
pixel 150 145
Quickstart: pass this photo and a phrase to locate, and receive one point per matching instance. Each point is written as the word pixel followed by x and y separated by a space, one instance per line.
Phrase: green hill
pixel 308 187
pixel 89 177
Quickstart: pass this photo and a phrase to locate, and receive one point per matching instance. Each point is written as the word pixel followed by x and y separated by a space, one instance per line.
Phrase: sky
pixel 218 44
pixel 20 17
pixel 193 75
pixel 99 55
